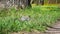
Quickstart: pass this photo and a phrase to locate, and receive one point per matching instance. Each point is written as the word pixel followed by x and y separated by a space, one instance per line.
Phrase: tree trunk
pixel 28 3
pixel 42 2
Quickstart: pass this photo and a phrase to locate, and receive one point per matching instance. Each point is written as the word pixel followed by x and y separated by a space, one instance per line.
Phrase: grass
pixel 39 17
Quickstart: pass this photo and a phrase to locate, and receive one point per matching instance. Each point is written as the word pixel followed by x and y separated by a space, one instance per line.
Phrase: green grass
pixel 39 17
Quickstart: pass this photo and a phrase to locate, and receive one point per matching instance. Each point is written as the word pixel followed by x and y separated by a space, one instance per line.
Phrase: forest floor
pixel 49 31
pixel 54 31
pixel 36 15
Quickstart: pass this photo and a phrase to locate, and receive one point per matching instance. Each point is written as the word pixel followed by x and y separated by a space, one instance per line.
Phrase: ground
pixel 49 31
pixel 39 15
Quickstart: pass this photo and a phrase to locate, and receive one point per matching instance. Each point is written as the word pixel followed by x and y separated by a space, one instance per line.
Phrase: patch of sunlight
pixel 51 5
pixel 33 5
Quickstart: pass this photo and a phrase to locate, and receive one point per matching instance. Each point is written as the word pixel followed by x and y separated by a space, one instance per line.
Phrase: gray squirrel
pixel 25 18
